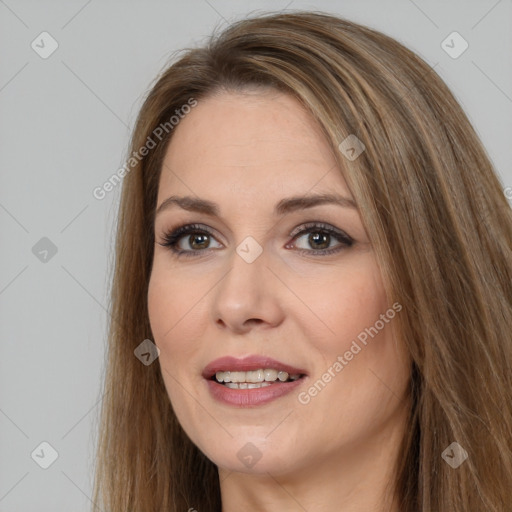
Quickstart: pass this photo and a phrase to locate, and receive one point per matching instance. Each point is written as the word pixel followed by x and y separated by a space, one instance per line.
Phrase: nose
pixel 248 295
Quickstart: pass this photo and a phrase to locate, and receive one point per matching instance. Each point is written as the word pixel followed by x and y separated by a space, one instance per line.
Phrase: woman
pixel 315 241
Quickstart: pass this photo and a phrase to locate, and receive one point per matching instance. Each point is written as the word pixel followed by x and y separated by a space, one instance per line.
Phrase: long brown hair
pixel 439 223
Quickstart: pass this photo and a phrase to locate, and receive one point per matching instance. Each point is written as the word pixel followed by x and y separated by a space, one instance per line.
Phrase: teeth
pixel 282 376
pixel 254 377
pixel 244 385
pixel 270 375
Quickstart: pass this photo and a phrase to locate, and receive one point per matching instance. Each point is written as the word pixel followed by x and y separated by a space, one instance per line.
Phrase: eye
pixel 198 240
pixel 320 236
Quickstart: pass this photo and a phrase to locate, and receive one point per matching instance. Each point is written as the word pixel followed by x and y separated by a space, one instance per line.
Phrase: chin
pixel 253 455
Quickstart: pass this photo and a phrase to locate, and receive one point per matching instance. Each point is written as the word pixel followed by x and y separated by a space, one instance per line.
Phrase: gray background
pixel 64 127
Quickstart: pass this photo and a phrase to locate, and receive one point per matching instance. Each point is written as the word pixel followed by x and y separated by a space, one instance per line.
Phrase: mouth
pixel 251 380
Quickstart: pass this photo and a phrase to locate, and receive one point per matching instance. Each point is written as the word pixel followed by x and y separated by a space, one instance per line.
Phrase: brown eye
pixel 319 239
pixel 199 240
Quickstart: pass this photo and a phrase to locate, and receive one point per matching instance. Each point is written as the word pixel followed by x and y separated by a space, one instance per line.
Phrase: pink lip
pixel 249 397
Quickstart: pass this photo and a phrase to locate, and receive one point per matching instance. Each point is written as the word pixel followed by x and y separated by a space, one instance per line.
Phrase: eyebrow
pixel 287 205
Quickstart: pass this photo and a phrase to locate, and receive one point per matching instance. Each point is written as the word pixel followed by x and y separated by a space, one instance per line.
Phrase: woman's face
pixel 267 277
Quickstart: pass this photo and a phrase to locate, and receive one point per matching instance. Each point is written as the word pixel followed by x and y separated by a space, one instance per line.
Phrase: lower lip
pixel 250 397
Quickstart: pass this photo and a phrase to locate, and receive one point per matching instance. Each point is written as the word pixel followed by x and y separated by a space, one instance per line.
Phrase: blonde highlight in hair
pixel 441 229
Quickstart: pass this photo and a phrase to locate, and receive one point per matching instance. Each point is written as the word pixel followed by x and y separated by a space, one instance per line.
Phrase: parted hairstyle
pixel 438 220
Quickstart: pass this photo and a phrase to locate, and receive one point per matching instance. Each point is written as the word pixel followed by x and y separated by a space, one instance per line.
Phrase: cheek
pixel 162 307
pixel 375 368
pixel 173 310
pixel 358 392
pixel 342 306
pixel 354 321
pixel 171 302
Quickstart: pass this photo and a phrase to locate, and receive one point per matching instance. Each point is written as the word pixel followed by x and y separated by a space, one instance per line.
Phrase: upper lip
pixel 246 364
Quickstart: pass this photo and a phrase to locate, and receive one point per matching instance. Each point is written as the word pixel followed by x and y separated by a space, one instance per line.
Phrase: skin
pixel 246 151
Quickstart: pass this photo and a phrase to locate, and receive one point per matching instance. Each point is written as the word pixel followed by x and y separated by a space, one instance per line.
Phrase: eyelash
pixel 172 238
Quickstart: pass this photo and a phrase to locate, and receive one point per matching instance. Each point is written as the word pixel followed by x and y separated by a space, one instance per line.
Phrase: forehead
pixel 249 141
